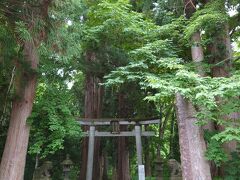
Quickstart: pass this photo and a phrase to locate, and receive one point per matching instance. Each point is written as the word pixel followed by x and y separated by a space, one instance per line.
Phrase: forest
pixel 120 89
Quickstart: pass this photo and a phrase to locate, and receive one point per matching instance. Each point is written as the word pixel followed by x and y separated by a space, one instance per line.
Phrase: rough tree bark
pixel 198 57
pixel 14 155
pixel 123 170
pixel 192 145
pixel 92 109
pixel 15 150
pixel 220 51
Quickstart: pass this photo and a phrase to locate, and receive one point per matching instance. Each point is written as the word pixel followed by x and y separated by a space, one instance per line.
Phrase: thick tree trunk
pixel 198 57
pixel 93 105
pixel 15 150
pixel 197 53
pixel 220 59
pixel 14 155
pixel 220 56
pixel 93 109
pixel 192 145
pixel 123 169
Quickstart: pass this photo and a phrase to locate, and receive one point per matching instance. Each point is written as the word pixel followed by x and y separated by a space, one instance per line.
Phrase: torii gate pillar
pixel 141 169
pixel 90 152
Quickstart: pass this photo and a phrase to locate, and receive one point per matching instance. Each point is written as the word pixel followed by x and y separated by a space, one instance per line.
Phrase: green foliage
pixel 7 43
pixel 115 23
pixel 210 18
pixel 22 32
pixel 52 120
pixel 165 11
pixel 214 151
pixel 169 75
pixel 229 134
pixel 232 168
pixel 8 52
pixel 147 61
pixel 149 58
pixel 159 71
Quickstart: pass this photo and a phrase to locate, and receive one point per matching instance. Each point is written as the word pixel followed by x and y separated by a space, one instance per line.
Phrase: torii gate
pixel 115 123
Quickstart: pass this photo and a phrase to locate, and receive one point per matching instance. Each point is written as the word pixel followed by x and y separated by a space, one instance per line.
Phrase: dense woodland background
pixel 176 60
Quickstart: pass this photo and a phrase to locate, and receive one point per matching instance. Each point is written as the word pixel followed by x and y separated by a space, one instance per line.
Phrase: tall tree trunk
pixel 123 170
pixel 93 109
pixel 221 57
pixel 15 150
pixel 192 144
pixel 93 106
pixel 198 57
pixel 14 155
